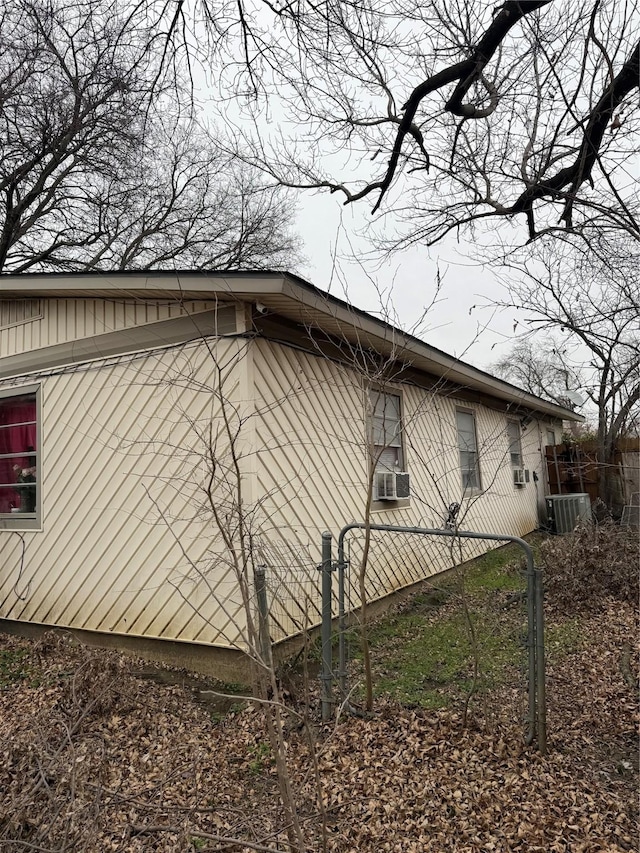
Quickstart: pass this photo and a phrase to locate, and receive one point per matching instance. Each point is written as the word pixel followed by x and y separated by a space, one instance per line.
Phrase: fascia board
pixel 144 285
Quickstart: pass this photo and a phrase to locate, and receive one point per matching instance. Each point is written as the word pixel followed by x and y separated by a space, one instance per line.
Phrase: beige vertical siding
pixel 125 544
pixel 311 471
pixel 129 543
pixel 62 320
pixel 313 476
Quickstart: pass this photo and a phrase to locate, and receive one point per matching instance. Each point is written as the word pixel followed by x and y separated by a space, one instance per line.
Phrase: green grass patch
pixel 423 655
pixel 14 667
pixel 261 758
pixel 429 661
pixel 563 638
pixel 499 569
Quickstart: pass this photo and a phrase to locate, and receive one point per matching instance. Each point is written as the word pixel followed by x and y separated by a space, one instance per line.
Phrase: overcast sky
pixel 330 234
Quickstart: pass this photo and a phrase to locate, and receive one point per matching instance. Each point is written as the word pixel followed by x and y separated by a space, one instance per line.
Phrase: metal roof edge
pixel 455 368
pixel 299 289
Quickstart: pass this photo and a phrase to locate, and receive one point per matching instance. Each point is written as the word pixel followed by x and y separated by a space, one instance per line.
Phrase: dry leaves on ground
pixel 94 758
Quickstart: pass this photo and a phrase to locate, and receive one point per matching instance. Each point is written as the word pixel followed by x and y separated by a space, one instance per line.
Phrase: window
pixel 515 444
pixel 468 447
pixel 386 431
pixel 19 459
pixel 551 437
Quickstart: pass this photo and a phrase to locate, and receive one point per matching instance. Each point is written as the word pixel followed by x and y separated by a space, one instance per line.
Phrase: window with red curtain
pixel 18 454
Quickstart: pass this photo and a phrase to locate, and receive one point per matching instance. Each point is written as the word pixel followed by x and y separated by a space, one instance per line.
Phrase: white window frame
pixel 24 520
pixel 514 441
pixel 386 424
pixel 467 440
pixel 386 442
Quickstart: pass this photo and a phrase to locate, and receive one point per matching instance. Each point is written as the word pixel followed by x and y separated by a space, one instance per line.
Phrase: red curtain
pixel 17 435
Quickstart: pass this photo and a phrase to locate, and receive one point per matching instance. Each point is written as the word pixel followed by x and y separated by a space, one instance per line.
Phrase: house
pixel 163 433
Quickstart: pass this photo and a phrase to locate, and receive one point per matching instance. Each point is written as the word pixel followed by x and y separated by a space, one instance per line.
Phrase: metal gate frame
pixel 537 713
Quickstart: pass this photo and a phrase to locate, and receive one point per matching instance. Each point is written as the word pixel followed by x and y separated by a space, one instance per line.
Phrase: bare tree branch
pixel 97 169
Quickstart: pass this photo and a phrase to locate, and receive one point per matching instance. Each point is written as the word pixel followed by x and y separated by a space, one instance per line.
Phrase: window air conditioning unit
pixel 564 511
pixel 519 477
pixel 391 485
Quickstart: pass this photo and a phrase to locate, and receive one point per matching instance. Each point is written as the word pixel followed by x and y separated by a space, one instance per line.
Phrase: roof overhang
pixel 285 295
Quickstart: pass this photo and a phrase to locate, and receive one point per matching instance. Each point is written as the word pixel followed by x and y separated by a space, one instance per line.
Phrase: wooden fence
pixel 575 467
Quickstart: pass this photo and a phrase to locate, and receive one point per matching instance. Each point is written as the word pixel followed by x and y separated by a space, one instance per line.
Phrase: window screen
pixel 515 444
pixel 468 449
pixel 386 431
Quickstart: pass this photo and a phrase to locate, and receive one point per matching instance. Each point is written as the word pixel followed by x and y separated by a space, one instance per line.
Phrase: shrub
pixel 594 563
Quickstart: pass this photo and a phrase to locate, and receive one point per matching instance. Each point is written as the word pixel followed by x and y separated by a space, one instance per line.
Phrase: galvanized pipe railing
pixel 326 675
pixel 537 724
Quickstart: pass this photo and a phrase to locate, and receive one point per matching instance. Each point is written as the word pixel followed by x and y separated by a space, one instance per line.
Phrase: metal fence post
pixel 342 625
pixel 540 663
pixel 531 648
pixel 326 675
pixel 263 615
pixel 537 715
